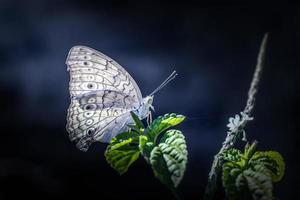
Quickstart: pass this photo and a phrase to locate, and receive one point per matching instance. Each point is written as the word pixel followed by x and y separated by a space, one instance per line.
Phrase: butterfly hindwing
pixel 87 126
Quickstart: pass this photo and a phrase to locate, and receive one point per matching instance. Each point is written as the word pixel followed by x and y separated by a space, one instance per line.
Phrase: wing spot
pixel 90 107
pixel 90 131
pixel 91 77
pixel 89 122
pixel 91 100
pixel 88 114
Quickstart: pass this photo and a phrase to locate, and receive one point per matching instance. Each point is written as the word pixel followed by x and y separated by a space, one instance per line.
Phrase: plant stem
pixel 233 135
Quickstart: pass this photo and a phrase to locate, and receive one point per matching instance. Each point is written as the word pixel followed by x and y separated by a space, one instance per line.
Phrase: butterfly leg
pixel 149 118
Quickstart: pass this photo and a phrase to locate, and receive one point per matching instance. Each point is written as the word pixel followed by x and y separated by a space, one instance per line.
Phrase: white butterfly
pixel 102 96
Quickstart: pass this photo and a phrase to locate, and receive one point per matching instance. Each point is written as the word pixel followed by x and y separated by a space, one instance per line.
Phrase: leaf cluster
pixel 251 171
pixel 165 150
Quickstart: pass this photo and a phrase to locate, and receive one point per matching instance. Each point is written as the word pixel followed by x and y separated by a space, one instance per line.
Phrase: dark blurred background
pixel 212 46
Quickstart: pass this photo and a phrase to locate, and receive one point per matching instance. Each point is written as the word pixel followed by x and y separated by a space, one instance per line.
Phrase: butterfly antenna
pixel 163 84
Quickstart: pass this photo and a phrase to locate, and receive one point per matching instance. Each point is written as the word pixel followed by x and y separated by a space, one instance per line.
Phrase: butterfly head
pixel 146 105
pixel 147 102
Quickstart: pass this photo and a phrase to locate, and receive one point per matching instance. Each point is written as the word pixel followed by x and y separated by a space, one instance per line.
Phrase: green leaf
pixel 251 171
pixel 138 123
pixel 259 184
pixel 122 151
pixel 233 155
pixel 124 136
pixel 231 172
pixel 159 167
pixel 249 150
pixel 237 181
pixel 169 158
pixel 271 160
pixel 162 123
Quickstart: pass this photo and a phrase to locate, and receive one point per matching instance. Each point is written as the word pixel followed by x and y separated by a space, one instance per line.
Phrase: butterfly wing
pixel 102 96
pixel 91 70
pixel 89 125
pixel 106 99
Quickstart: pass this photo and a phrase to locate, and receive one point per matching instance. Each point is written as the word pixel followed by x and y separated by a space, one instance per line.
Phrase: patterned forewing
pixel 91 70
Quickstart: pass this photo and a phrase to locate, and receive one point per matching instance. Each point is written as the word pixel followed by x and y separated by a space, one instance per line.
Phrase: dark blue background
pixel 213 47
